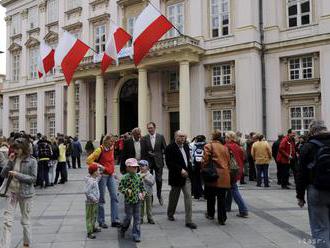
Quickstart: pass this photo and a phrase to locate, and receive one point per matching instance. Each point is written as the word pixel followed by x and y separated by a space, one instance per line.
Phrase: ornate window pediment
pixel 125 3
pixel 73 26
pixel 101 18
pixel 31 42
pixel 51 36
pixel 14 47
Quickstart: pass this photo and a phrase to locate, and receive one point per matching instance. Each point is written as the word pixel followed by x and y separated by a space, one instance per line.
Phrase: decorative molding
pixel 125 3
pixel 14 47
pixel 98 2
pixel 32 42
pixel 16 36
pixel 51 24
pixel 51 36
pixel 24 13
pixel 103 17
pixel 42 6
pixel 73 26
pixel 8 19
pixel 72 11
pixel 35 30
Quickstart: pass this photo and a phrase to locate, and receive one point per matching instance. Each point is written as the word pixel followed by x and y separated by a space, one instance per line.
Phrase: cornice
pixel 103 17
pixel 73 26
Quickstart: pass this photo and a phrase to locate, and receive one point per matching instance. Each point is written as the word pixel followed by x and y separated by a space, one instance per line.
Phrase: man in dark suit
pixel 153 150
pixel 179 178
pixel 132 149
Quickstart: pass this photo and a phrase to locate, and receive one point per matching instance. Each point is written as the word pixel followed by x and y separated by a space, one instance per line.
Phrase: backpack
pixel 198 153
pixel 321 166
pixel 44 150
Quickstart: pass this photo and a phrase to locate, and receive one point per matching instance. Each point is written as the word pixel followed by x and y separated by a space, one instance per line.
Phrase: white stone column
pixel 99 107
pixel 41 112
pixel 83 111
pixel 325 83
pixel 59 108
pixel 22 113
pixel 143 103
pixel 5 116
pixel 184 98
pixel 71 110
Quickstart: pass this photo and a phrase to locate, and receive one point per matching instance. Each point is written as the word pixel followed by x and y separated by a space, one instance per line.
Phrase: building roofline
pixel 5 3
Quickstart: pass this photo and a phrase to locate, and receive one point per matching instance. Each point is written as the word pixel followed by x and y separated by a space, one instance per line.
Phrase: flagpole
pixel 181 34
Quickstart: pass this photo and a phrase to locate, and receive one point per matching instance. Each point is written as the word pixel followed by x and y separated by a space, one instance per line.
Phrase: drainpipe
pixel 263 70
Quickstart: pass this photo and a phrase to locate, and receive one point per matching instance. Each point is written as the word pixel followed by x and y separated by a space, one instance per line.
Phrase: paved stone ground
pixel 275 221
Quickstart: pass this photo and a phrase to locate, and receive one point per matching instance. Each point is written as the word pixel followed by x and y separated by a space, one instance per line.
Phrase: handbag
pixel 233 167
pixel 210 173
pixel 5 185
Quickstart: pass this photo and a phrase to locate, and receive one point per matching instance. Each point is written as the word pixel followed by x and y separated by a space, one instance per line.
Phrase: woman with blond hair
pixel 219 154
pixel 104 155
pixel 238 154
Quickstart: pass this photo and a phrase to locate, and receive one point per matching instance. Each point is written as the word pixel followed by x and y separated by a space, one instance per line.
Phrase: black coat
pixel 307 156
pixel 275 148
pixel 128 152
pixel 175 163
pixel 154 156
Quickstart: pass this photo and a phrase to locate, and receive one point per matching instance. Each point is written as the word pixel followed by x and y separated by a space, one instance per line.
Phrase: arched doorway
pixel 128 105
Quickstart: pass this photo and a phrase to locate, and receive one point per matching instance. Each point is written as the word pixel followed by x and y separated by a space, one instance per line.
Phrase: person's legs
pixel 210 201
pixel 89 218
pixel 319 215
pixel 148 203
pixel 159 181
pixel 265 171
pixel 239 200
pixel 58 171
pixel 25 205
pixel 173 200
pixel 112 188
pixel 285 168
pixel 46 172
pixel 221 196
pixel 101 218
pixel 8 220
pixel 278 174
pixel 228 200
pixel 128 217
pixel 73 162
pixel 79 162
pixel 252 170
pixel 186 189
pixel 143 206
pixel 65 172
pixel 68 161
pixel 259 172
pixel 136 231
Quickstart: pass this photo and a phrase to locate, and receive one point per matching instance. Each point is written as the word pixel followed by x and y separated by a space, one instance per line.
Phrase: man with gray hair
pixel 177 156
pixel 313 175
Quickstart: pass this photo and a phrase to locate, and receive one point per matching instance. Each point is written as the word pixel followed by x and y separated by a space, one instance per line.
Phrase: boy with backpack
pixel 197 156
pixel 313 175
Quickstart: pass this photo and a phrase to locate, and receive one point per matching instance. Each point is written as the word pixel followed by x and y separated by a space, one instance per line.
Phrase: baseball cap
pixel 143 163
pixel 132 162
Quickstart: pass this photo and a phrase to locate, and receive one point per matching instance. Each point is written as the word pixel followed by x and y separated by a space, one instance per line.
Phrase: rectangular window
pixel 100 38
pixel 33 18
pixel 33 126
pixel 173 81
pixel 300 118
pixel 50 98
pixel 299 12
pixel 15 24
pixel 51 127
pixel 32 100
pixel 130 28
pixel 15 66
pixel 34 56
pixel 15 125
pixel 14 102
pixel 221 75
pixel 219 18
pixel 301 68
pixel 222 120
pixel 72 4
pixel 52 11
pixel 175 15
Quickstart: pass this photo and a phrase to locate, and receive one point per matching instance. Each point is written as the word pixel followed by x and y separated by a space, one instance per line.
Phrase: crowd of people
pixel 200 169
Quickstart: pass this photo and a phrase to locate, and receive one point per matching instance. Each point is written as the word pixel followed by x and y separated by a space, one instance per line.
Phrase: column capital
pixel 142 69
pixel 99 76
pixel 184 62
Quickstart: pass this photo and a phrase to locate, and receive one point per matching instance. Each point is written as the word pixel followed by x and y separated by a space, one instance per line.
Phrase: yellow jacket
pixel 94 156
pixel 261 152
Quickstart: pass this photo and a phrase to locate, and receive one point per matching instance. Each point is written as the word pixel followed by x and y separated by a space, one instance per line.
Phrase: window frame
pixel 16 61
pixel 51 96
pixel 15 125
pixel 176 82
pixel 33 18
pixel 222 120
pixel 220 15
pixel 15 104
pixel 51 129
pixel 33 63
pixel 299 15
pixel 52 11
pixel 101 44
pixel 15 27
pixel 222 75
pixel 301 68
pixel 33 129
pixel 172 33
pixel 33 100
pixel 301 118
pixel 72 4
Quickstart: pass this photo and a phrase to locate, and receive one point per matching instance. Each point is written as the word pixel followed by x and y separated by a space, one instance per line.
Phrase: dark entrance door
pixel 174 123
pixel 128 106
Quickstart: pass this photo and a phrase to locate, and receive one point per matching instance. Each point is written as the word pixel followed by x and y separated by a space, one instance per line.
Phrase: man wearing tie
pixel 153 151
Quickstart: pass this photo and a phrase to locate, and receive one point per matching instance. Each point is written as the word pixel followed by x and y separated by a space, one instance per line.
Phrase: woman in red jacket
pixel 238 154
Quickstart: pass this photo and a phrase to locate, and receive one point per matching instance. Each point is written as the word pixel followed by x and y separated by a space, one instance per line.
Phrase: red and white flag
pixel 149 27
pixel 117 39
pixel 47 61
pixel 69 52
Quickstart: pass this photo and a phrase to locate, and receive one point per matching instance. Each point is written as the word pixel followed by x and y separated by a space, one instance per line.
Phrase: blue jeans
pixel 238 199
pixel 109 182
pixel 262 170
pixel 319 216
pixel 133 210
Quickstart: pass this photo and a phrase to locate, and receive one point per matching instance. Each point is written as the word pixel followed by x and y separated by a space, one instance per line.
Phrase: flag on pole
pixel 69 52
pixel 46 62
pixel 117 39
pixel 149 27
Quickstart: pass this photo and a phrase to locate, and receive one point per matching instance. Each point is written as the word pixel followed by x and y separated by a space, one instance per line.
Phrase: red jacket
pixel 238 155
pixel 287 148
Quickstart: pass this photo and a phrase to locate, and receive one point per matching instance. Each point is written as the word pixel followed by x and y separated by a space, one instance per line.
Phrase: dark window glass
pixel 97 48
pixel 293 10
pixel 305 20
pixel 305 7
pixel 215 32
pixel 293 22
pixel 225 31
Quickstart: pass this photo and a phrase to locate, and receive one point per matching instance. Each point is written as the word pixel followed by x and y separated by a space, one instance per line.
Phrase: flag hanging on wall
pixel 46 62
pixel 69 52
pixel 117 39
pixel 149 27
